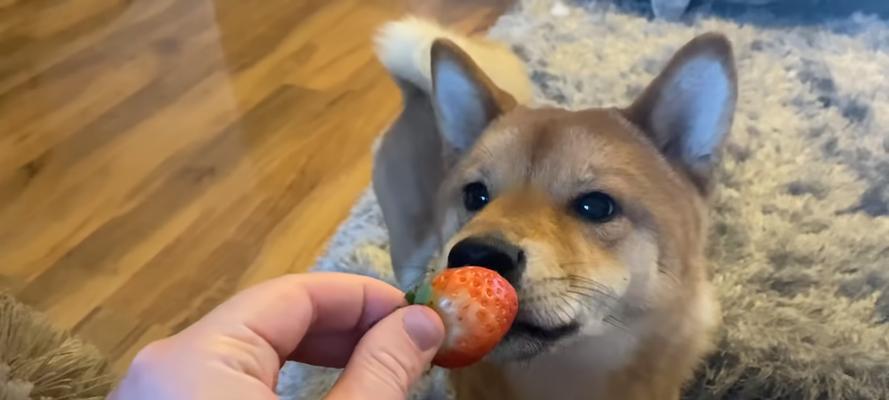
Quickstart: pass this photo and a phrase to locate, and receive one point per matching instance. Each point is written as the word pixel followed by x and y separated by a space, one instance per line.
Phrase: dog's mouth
pixel 525 340
pixel 548 334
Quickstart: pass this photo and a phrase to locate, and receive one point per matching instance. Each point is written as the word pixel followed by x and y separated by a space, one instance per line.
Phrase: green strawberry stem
pixel 421 295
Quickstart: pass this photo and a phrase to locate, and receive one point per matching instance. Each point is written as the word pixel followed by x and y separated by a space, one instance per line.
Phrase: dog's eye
pixel 595 207
pixel 475 196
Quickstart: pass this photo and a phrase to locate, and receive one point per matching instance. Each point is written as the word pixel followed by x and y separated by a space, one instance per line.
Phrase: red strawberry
pixel 477 306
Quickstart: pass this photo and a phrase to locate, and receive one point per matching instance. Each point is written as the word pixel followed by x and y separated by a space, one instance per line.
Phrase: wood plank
pixel 158 155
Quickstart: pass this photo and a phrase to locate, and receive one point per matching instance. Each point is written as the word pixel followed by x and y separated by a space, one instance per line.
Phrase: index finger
pixel 284 310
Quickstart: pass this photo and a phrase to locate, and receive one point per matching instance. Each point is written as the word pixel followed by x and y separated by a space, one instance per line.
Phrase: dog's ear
pixel 464 98
pixel 415 154
pixel 407 172
pixel 687 110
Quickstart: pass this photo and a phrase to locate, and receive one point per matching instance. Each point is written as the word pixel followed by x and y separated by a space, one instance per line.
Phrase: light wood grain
pixel 158 155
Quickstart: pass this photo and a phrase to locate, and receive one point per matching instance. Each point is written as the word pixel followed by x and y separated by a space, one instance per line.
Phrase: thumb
pixel 391 356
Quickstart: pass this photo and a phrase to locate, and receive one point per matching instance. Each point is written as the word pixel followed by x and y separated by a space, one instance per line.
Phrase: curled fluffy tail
pixel 404 49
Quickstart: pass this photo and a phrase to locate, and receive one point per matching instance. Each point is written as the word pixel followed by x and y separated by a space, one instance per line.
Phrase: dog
pixel 597 217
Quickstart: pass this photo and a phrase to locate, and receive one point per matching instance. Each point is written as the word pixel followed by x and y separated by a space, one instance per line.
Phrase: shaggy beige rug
pixel 800 239
pixel 37 361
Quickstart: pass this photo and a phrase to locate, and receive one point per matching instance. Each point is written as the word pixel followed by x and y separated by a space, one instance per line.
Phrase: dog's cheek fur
pixel 639 254
pixel 630 272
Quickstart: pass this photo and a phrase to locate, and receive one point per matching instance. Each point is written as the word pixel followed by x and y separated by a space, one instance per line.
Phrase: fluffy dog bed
pixel 800 233
pixel 38 361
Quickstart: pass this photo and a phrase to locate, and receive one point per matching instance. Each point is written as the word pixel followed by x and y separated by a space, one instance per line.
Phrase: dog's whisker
pixel 585 295
pixel 584 279
pixel 575 263
pixel 666 272
pixel 598 301
pixel 536 313
pixel 607 306
pixel 590 290
pixel 580 278
pixel 554 279
pixel 567 308
pixel 617 323
pixel 591 284
pixel 589 295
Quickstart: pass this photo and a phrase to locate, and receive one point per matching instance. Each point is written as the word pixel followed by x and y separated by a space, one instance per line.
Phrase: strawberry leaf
pixel 424 294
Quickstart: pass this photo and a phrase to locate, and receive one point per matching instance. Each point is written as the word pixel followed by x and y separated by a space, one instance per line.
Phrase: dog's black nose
pixel 489 252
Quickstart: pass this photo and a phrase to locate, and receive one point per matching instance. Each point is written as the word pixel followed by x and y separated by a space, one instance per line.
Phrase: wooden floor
pixel 158 155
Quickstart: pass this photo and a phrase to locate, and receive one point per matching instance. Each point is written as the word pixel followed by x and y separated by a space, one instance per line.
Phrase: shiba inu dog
pixel 596 216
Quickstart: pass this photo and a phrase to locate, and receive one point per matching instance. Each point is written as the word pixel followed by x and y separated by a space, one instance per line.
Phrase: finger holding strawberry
pixel 477 306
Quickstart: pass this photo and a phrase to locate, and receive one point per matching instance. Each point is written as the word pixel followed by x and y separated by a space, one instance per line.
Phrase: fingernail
pixel 419 325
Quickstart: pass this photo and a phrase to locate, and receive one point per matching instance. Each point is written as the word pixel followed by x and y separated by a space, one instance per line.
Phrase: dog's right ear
pixel 464 98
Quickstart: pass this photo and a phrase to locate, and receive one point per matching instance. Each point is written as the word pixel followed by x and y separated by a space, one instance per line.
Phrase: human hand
pixel 325 319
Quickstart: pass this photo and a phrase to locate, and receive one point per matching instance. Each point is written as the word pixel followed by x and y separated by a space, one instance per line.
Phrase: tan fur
pixel 642 331
pixel 552 150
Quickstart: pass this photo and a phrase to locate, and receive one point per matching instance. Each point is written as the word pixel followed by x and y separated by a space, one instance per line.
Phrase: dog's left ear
pixel 687 110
